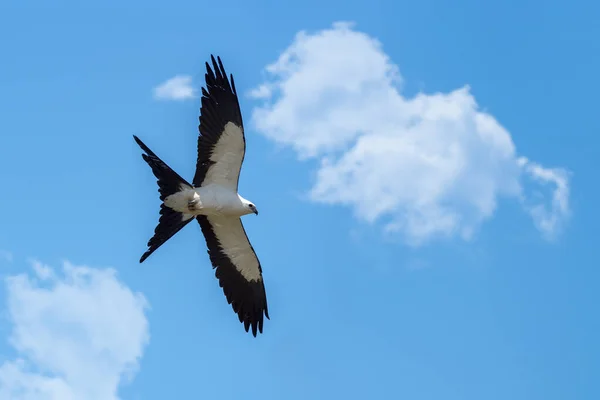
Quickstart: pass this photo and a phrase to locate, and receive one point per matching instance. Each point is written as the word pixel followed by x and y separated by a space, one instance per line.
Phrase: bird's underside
pixel 215 200
pixel 212 199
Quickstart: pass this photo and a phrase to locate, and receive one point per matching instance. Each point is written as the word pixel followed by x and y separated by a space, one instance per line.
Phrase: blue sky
pixel 425 176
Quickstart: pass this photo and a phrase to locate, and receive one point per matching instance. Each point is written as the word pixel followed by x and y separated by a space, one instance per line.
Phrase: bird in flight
pixel 212 199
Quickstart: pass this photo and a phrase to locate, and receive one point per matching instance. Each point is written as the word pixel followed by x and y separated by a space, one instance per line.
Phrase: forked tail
pixel 169 182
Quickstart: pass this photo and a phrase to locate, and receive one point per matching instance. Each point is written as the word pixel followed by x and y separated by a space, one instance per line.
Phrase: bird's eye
pixel 251 205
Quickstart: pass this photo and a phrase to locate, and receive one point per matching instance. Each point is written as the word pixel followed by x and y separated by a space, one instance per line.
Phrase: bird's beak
pixel 256 211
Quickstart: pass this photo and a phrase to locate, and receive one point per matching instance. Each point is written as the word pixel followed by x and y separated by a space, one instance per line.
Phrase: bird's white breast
pixel 220 200
pixel 212 199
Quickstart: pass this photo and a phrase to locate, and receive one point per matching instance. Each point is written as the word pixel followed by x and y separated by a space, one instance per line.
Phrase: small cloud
pixel 177 88
pixel 43 271
pixel 263 91
pixel 548 215
pixel 78 334
pixel 6 255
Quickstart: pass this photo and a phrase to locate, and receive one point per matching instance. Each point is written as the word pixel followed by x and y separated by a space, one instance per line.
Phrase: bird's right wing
pixel 221 142
pixel 237 268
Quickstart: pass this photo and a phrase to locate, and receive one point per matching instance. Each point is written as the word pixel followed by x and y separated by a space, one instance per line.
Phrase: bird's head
pixel 251 208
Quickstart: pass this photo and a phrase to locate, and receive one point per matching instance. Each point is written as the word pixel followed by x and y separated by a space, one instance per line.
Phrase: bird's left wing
pixel 237 268
pixel 221 142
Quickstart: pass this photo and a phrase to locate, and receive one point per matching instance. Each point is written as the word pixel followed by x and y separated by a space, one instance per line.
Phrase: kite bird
pixel 213 200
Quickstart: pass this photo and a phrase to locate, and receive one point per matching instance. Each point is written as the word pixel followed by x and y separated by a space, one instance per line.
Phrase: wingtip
pixel 217 60
pixel 232 84
pixel 143 257
pixel 209 76
pixel 139 142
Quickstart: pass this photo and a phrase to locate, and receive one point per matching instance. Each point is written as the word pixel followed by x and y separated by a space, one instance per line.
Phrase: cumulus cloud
pixel 430 165
pixel 177 88
pixel 79 334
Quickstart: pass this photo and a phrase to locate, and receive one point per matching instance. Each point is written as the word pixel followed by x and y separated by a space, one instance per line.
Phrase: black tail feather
pixel 169 223
pixel 169 182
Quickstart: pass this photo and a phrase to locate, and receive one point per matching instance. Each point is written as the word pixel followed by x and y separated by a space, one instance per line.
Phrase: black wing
pixel 221 142
pixel 237 268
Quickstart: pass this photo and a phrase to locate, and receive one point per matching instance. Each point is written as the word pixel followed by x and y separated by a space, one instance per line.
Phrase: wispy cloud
pixel 177 88
pixel 79 334
pixel 431 165
pixel 263 91
pixel 549 212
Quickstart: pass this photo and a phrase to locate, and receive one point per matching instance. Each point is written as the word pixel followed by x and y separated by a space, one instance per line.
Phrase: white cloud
pixel 261 92
pixel 431 165
pixel 79 334
pixel 6 255
pixel 43 271
pixel 177 88
pixel 548 219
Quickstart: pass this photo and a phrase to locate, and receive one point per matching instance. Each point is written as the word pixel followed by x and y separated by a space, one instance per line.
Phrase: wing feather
pixel 237 268
pixel 221 141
